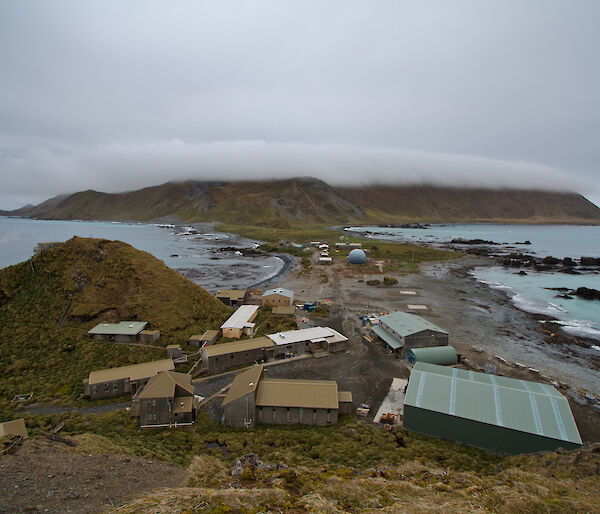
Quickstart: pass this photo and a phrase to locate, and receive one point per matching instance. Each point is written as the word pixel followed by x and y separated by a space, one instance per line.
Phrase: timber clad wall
pixel 424 339
pixel 114 388
pixel 157 411
pixel 227 361
pixel 240 412
pixel 277 299
pixel 296 415
pixel 482 435
pixel 299 348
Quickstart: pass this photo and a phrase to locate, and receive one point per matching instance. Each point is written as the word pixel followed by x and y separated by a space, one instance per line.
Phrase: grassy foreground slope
pixel 48 304
pixel 351 467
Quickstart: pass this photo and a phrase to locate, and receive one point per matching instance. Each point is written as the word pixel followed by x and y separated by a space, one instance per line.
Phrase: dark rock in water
pixel 589 261
pixel 550 260
pixel 461 241
pixel 174 255
pixel 562 289
pixel 528 242
pixel 569 270
pixel 522 273
pixel 543 267
pixel 567 261
pixel 588 293
pixel 565 296
pixel 479 251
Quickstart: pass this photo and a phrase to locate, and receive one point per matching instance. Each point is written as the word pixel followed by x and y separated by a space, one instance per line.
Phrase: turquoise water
pixel 193 255
pixel 528 292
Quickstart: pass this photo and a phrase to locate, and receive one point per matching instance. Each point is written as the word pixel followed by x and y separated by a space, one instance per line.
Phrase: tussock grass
pixel 45 315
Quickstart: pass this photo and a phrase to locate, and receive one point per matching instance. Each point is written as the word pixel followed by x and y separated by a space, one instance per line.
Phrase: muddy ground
pixel 47 476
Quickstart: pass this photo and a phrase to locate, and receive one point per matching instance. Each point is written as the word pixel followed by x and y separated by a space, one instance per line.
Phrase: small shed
pixel 442 355
pixel 13 428
pixel 123 332
pixel 174 351
pixel 232 297
pixel 209 337
pixel 278 296
pixel 149 336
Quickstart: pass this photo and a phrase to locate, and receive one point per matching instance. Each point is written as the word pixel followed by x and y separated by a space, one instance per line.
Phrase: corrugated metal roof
pixel 407 324
pixel 163 385
pixel 308 394
pixel 281 291
pixel 433 355
pixel 520 405
pixel 132 372
pixel 307 334
pixel 124 328
pixel 238 346
pixel 390 339
pixel 240 318
pixel 244 383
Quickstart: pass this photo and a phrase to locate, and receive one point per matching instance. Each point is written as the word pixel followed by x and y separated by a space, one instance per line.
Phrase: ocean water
pixel 196 256
pixel 528 292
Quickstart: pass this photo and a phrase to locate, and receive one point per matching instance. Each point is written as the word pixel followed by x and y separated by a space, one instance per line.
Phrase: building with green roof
pixel 123 332
pixel 499 414
pixel 442 355
pixel 402 331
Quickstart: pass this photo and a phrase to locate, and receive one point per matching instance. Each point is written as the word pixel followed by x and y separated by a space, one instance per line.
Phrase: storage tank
pixel 357 256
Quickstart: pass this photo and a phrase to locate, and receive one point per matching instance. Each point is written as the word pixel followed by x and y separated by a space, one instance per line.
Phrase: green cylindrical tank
pixel 442 355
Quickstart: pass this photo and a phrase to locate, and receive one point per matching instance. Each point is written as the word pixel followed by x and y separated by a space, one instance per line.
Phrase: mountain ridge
pixel 287 202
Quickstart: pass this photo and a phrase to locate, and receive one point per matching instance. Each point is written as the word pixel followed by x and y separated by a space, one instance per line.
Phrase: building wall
pixel 340 346
pixel 346 408
pixel 231 360
pixel 149 338
pixel 109 389
pixel 240 412
pixel 154 411
pixel 234 333
pixel 295 415
pixel 299 348
pixel 277 299
pixel 482 435
pixel 425 339
pixel 125 339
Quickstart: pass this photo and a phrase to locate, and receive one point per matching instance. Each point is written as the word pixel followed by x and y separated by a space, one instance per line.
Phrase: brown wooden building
pixel 105 383
pixel 222 357
pixel 240 323
pixel 253 399
pixel 167 400
pixel 278 297
pixel 209 337
pixel 232 297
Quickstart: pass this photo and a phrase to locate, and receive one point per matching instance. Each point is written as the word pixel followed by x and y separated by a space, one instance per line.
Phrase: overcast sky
pixel 116 95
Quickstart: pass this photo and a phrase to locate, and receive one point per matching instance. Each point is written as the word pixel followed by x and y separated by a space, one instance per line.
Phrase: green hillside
pixel 48 304
pixel 298 202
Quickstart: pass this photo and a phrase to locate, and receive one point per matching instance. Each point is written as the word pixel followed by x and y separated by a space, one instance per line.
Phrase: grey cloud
pixel 116 167
pixel 414 87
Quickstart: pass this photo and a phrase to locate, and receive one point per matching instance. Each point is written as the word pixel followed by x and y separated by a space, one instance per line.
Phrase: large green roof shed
pixel 500 414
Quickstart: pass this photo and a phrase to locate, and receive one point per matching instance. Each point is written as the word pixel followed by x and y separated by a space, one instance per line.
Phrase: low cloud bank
pixel 40 173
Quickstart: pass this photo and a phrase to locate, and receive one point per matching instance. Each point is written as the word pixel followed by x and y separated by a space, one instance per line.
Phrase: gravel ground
pixel 46 476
